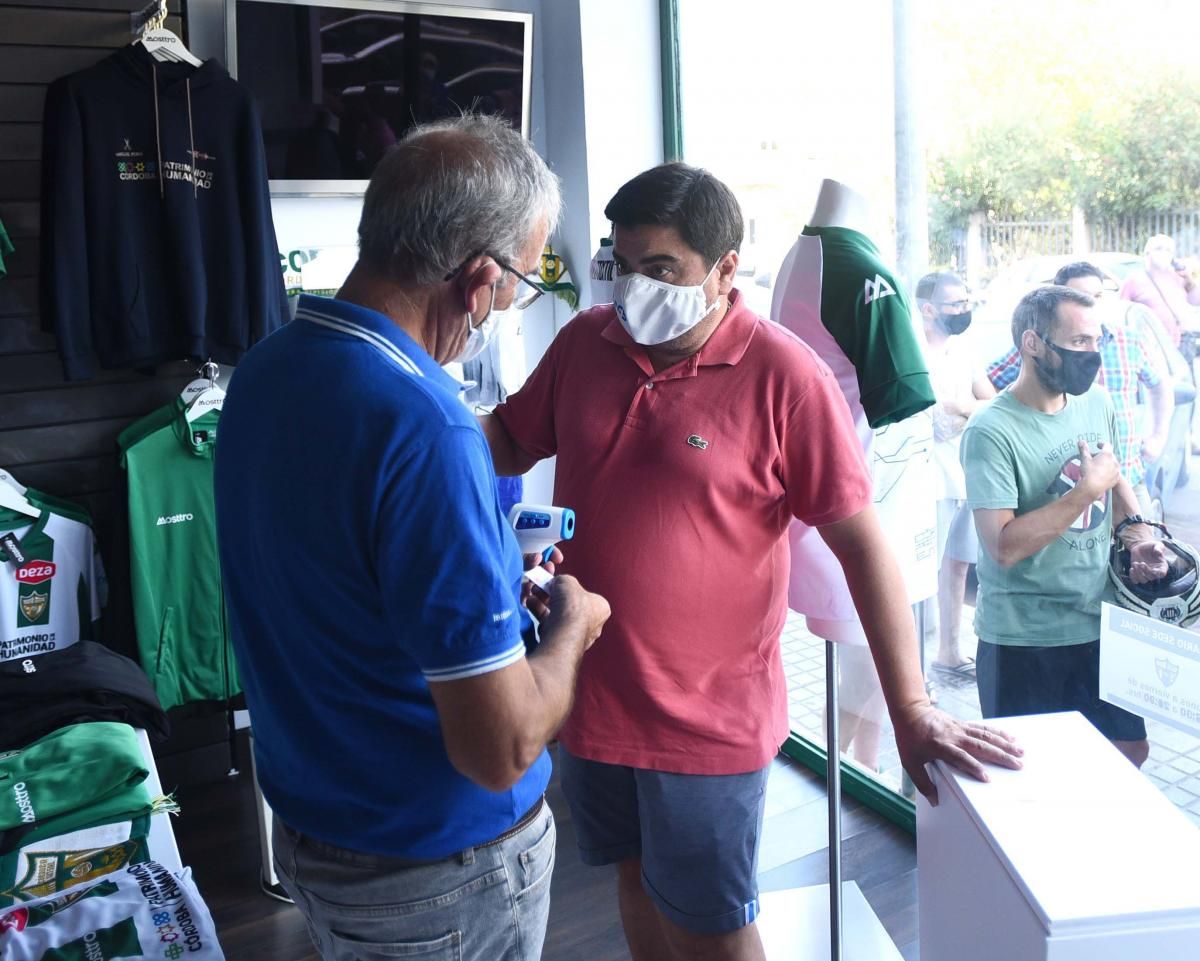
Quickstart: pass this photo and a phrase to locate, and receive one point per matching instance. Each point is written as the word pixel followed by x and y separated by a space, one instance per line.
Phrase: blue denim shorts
pixel 696 836
pixel 488 903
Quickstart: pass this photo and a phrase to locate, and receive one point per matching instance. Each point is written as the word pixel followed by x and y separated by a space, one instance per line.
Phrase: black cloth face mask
pixel 1076 373
pixel 954 323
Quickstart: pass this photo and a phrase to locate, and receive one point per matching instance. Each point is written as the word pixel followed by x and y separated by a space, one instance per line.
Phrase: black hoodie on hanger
pixel 157 240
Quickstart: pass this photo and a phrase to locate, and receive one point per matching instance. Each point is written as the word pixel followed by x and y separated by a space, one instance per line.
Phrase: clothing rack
pixel 153 16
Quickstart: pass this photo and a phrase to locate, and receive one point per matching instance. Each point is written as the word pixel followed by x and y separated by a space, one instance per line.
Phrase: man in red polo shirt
pixel 689 432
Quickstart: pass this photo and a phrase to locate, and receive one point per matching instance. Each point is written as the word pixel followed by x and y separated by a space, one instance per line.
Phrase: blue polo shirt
pixel 364 554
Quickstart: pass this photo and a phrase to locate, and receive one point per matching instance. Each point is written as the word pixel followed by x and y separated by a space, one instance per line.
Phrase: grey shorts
pixel 696 836
pixel 956 532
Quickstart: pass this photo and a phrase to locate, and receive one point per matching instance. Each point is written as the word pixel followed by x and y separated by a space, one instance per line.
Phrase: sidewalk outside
pixel 1174 764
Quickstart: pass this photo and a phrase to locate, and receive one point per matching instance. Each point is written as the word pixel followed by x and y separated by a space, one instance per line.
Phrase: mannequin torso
pixel 840 206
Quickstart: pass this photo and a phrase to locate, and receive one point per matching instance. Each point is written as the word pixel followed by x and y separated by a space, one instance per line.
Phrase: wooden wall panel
pixel 24 262
pixel 32 64
pixel 45 26
pixel 22 102
pixel 19 180
pixel 20 141
pixel 43 370
pixel 18 307
pixel 57 436
pixel 61 406
pixel 23 217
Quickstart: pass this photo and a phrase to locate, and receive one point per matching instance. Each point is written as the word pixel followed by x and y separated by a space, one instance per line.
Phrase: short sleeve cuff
pixel 484 665
pixel 992 505
pixel 842 512
pixel 898 400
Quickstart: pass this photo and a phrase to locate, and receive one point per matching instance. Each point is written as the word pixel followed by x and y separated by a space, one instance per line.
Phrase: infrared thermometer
pixel 539 528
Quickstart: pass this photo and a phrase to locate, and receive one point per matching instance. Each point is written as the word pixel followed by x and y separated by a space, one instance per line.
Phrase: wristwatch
pixel 1129 521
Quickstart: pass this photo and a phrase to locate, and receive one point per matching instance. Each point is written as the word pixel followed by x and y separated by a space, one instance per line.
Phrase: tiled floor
pixel 1174 763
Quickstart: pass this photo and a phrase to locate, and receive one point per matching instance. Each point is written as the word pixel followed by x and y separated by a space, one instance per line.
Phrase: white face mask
pixel 479 337
pixel 653 312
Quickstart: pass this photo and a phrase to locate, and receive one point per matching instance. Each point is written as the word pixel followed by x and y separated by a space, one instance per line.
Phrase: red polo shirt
pixel 683 483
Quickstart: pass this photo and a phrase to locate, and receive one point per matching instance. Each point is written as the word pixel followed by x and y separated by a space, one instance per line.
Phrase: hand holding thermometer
pixel 538 529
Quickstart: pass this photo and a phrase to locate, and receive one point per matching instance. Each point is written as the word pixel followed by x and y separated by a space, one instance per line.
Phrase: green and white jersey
pixel 140 911
pixel 49 600
pixel 835 292
pixel 179 608
pixel 76 512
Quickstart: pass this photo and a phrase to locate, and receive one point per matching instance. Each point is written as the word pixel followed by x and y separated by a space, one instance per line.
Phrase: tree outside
pixel 1039 110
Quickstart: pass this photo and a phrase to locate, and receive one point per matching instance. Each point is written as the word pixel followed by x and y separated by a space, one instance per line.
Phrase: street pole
pixel 912 209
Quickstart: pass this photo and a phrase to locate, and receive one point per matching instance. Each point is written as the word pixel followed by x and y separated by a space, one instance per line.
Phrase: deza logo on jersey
pixel 36 572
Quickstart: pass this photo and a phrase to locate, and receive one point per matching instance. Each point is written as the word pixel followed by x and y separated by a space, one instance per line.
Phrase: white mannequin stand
pixel 808 922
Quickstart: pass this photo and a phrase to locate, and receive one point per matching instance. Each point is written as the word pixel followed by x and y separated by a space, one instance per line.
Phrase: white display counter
pixel 1077 857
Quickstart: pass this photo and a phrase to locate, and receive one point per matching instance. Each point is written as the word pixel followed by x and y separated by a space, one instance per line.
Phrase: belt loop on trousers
pixel 467 856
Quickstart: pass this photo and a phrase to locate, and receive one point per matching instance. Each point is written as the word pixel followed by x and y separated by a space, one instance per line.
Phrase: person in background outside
pixel 961 390
pixel 1048 499
pixel 1126 366
pixel 1167 287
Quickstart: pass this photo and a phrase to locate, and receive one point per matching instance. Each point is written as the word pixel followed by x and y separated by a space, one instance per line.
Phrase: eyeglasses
pixel 955 304
pixel 526 291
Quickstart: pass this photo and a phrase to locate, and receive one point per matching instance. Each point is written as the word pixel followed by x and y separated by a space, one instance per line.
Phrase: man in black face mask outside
pixel 960 389
pixel 1048 497
pixel 1127 371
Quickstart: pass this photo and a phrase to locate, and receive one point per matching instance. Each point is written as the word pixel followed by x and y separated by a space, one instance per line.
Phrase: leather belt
pixel 526 819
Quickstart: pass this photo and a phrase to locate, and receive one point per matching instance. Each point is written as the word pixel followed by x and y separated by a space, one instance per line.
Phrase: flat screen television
pixel 337 82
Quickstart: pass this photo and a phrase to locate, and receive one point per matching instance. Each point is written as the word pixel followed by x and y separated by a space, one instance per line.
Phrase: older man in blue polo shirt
pixel 373 583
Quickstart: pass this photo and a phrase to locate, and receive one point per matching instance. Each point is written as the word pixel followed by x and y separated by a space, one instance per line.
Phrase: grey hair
pixel 451 190
pixel 1038 310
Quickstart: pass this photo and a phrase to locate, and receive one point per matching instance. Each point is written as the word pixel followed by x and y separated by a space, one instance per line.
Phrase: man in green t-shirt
pixel 1048 498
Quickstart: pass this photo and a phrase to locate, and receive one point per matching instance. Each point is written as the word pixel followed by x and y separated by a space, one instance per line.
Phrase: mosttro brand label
pixel 24 805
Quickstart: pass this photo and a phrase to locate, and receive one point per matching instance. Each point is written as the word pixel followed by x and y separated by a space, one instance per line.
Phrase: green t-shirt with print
pixel 1021 459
